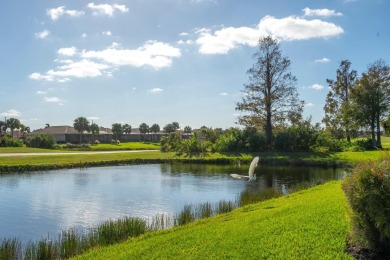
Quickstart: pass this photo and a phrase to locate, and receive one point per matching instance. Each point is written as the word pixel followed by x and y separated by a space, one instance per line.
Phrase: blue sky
pixel 159 61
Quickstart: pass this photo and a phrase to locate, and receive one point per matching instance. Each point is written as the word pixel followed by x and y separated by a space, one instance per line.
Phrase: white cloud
pixel 223 94
pixel 316 86
pixel 11 113
pixel 98 63
pixel 41 92
pixel 320 12
pixel 93 118
pixel 55 100
pixel 309 105
pixel 42 35
pixel 155 54
pixel 183 34
pixel 107 9
pixel 84 35
pixel 107 33
pixel 323 60
pixel 156 90
pixel 79 69
pixel 39 76
pixel 56 13
pixel 67 51
pixel 286 29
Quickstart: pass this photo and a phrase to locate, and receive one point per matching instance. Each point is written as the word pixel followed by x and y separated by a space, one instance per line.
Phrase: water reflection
pixel 34 205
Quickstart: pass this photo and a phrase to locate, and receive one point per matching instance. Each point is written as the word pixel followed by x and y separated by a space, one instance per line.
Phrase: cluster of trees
pixel 271 103
pixel 13 124
pixel 272 111
pixel 355 103
pixel 7 137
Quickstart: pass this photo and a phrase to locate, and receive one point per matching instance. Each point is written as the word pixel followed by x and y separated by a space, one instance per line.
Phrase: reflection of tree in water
pixel 199 169
pixel 12 181
pixel 81 179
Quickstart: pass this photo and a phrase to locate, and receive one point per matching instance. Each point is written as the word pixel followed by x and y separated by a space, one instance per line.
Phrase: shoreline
pixel 23 168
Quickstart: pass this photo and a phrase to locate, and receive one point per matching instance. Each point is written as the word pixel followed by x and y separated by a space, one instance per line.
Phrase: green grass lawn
pixel 126 146
pixel 385 141
pixel 310 224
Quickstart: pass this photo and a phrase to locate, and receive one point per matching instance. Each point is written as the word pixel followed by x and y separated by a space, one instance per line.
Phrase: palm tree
pixel 187 129
pixel 13 124
pixel 81 124
pixel 154 129
pixel 94 130
pixel 143 129
pixel 117 129
pixel 127 130
pixel 3 127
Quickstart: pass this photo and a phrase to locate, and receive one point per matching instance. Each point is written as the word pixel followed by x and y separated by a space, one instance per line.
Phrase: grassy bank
pixel 310 224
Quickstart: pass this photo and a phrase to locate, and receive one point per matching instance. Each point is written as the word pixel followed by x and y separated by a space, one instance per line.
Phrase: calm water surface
pixel 37 204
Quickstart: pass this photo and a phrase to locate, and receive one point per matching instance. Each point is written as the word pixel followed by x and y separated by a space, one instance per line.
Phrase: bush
pixel 368 193
pixel 192 147
pixel 96 142
pixel 7 141
pixel 171 142
pixel 41 141
pixel 116 142
pixel 331 144
pixel 363 145
pixel 77 146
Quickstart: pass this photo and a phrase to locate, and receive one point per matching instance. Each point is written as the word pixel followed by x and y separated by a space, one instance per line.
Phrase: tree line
pixel 355 102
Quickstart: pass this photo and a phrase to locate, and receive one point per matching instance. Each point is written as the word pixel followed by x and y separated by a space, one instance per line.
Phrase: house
pixel 68 134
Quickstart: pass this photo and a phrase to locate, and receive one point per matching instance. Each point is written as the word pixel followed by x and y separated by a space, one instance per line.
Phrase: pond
pixel 35 205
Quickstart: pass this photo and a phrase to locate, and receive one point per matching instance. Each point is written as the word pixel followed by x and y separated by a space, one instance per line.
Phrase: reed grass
pixel 10 248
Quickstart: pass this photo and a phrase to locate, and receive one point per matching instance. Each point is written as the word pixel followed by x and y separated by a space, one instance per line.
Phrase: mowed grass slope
pixel 311 224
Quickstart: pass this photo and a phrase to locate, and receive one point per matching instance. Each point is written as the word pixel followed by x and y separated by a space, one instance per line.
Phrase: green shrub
pixel 368 193
pixel 363 145
pixel 326 140
pixel 192 147
pixel 77 146
pixel 171 142
pixel 7 141
pixel 41 141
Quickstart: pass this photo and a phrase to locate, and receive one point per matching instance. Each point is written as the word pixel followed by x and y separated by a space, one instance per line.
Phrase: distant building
pixel 67 134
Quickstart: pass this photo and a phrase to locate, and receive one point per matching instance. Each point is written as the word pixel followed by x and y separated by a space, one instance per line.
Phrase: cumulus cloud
pixel 106 9
pixel 11 113
pixel 285 29
pixel 156 90
pixel 323 60
pixel 154 54
pixel 88 63
pixel 39 92
pixel 307 105
pixel 56 13
pixel 43 34
pixel 107 33
pixel 320 12
pixel 223 94
pixel 67 51
pixel 93 118
pixel 316 86
pixel 55 100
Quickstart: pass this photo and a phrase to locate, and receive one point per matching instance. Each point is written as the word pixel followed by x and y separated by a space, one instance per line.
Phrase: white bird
pixel 250 175
pixel 285 190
